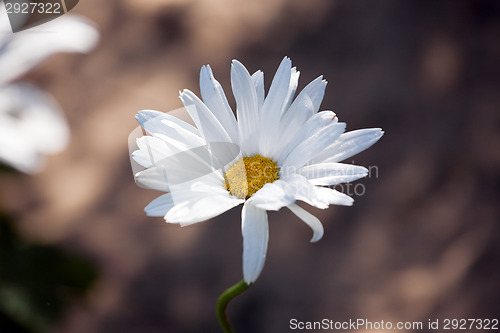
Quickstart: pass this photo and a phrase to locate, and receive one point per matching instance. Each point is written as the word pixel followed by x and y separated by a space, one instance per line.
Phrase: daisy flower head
pixel 277 150
pixel 31 121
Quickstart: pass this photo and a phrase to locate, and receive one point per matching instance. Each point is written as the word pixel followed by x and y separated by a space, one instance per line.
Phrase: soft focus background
pixel 421 242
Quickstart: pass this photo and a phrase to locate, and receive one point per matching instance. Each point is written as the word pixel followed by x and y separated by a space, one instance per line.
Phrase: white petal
pixel 272 196
pixel 258 81
pixel 170 162
pixel 68 33
pixel 197 189
pixel 301 189
pixel 215 99
pixel 204 159
pixel 152 150
pixel 247 108
pixel 153 122
pixel 289 141
pixel 177 133
pixel 201 207
pixel 348 145
pixel 39 116
pixel 315 90
pixel 290 125
pixel 312 221
pixel 255 231
pixel 209 126
pixel 18 153
pixel 310 143
pixel 332 173
pixel 303 107
pixel 183 168
pixel 286 191
pixel 153 178
pixel 294 82
pixel 273 105
pixel 31 125
pixel 334 197
pixel 160 206
pixel 171 158
pixel 159 122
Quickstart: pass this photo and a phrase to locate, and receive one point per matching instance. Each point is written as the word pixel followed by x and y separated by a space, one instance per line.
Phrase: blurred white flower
pixel 31 122
pixel 285 151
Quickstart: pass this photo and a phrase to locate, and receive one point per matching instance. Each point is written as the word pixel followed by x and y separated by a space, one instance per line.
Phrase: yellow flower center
pixel 250 174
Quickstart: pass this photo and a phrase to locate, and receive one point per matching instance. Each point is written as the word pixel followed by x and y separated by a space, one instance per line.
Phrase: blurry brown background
pixel 422 242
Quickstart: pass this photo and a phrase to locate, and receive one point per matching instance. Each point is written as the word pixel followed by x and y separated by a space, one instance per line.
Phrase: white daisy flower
pixel 277 151
pixel 31 122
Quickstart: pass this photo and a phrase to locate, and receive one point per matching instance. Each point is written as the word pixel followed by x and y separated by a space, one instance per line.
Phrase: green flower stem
pixel 224 299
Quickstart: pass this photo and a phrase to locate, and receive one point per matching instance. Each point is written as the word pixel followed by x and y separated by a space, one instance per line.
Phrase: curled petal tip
pixel 316 238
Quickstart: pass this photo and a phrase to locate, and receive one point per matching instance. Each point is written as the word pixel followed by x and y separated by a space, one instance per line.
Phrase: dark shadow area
pixel 38 282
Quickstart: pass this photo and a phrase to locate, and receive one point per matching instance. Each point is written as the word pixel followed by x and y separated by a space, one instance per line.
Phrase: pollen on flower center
pixel 250 174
